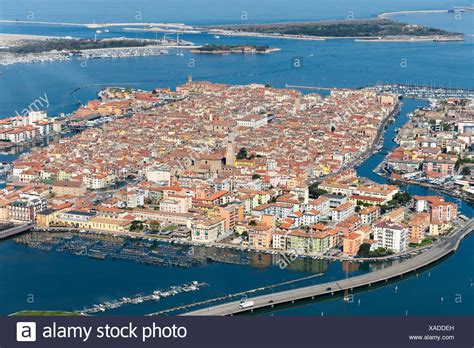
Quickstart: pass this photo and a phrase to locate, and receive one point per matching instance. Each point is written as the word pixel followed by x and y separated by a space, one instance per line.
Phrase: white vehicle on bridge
pixel 246 304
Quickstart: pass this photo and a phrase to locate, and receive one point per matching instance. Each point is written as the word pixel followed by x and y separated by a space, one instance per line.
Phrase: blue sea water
pixel 333 63
pixel 61 281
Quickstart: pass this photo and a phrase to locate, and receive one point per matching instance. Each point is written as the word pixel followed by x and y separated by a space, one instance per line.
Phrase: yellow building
pixel 397 215
pixel 244 163
pixel 47 217
pixel 108 224
pixel 439 228
pixel 62 175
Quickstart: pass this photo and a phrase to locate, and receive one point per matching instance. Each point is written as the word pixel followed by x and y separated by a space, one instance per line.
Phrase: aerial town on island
pixel 250 167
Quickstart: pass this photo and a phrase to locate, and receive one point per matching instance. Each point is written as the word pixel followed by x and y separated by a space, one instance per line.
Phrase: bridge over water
pixel 10 232
pixel 447 245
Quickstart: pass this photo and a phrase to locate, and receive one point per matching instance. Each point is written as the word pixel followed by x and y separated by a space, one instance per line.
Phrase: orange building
pixel 419 224
pixel 232 214
pixel 351 243
pixel 260 237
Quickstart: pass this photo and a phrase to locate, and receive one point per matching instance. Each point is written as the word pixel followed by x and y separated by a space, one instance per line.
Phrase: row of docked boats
pixel 138 299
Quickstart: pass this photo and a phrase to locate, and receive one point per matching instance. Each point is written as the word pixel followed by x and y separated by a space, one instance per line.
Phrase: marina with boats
pixel 148 251
pixel 5 170
pixel 144 252
pixel 423 92
pixel 155 252
pixel 30 49
pixel 139 298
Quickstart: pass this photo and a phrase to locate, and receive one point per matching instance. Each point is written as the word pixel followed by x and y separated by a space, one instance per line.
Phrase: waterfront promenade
pixel 235 247
pixel 448 245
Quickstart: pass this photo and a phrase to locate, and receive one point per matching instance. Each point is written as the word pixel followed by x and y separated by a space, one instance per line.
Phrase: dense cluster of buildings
pixel 274 219
pixel 212 162
pixel 435 145
pixel 289 137
pixel 29 127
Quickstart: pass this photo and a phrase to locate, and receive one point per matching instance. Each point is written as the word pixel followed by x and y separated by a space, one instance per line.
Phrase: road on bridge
pixel 15 230
pixel 447 245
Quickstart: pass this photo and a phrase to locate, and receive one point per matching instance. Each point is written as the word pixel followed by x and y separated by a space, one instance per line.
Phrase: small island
pixel 369 29
pixel 237 49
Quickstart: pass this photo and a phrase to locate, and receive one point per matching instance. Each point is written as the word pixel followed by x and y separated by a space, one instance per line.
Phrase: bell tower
pixel 230 150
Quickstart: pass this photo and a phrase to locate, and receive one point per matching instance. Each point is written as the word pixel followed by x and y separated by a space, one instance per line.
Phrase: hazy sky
pixel 212 11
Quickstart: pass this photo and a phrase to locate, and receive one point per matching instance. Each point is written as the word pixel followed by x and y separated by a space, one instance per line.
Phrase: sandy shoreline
pixel 449 38
pixel 17 37
pixel 413 39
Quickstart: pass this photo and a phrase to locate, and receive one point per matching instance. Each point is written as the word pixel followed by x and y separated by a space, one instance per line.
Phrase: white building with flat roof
pixel 252 121
pixel 391 236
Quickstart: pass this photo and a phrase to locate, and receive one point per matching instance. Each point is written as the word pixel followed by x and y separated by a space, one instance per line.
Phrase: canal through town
pixel 445 289
pixel 38 279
